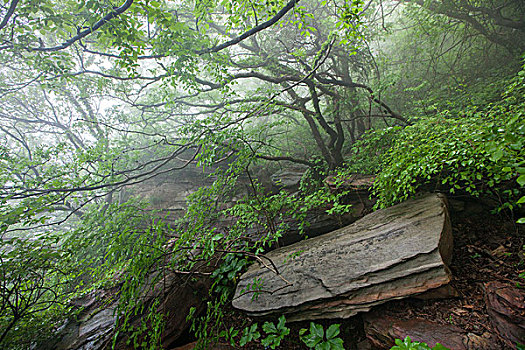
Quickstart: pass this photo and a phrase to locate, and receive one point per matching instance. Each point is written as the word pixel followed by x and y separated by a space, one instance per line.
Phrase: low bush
pixel 480 153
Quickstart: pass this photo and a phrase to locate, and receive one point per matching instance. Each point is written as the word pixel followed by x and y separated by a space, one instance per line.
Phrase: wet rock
pixel 382 331
pixel 288 178
pixel 390 254
pixel 357 188
pixel 443 292
pixel 178 294
pixel 506 308
pixel 169 191
pixel 354 182
pixel 93 328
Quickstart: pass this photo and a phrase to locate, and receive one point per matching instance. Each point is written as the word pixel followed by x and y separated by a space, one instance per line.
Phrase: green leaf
pixel 317 330
pixel 269 327
pixel 311 340
pixel 336 343
pixel 244 340
pixel 323 346
pixel 521 180
pixel 332 331
pixel 282 321
pixel 268 340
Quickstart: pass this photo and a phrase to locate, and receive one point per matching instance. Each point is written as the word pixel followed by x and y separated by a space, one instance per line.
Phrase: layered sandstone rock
pixel 390 254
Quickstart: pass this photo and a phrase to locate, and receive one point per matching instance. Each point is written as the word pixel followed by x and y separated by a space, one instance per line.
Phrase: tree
pixel 33 289
pixel 501 22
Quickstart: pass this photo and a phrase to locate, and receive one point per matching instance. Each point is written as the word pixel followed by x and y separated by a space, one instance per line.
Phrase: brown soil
pixel 486 248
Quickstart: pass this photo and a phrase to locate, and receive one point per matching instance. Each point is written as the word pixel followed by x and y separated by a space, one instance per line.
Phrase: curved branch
pixel 465 15
pixel 290 5
pixel 9 13
pixel 118 11
pixel 370 91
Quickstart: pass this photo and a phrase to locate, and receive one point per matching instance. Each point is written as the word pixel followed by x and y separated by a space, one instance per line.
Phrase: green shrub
pixel 479 153
pixel 475 154
pixel 368 152
pixel 275 333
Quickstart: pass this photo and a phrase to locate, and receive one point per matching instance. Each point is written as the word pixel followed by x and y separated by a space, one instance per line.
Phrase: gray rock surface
pixel 288 178
pixel 390 254
pixel 93 330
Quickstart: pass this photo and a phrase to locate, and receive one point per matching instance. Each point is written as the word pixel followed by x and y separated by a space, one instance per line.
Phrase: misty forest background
pixel 97 97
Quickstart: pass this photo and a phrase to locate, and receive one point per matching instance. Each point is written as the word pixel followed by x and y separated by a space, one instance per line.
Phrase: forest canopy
pixel 99 96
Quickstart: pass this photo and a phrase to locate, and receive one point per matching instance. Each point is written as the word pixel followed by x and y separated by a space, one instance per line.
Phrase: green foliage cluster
pixel 36 284
pixel 479 153
pixel 210 328
pixel 42 275
pixel 314 338
pixel 207 328
pixel 275 333
pixel 319 340
pixel 270 211
pixel 367 154
pixel 249 334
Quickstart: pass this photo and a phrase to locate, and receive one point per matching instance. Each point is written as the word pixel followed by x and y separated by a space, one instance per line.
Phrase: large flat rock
pixel 390 254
